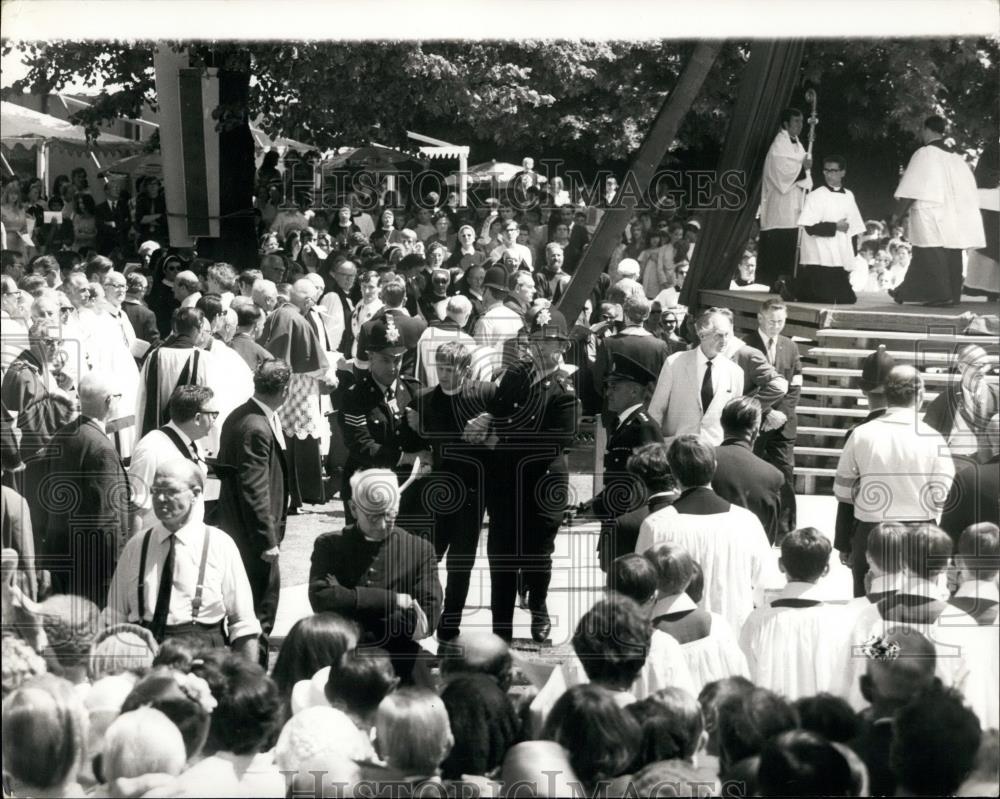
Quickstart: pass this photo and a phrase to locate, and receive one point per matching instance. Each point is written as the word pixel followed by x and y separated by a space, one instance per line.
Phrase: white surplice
pixel 826 205
pixel 797 652
pixel 945 211
pixel 731 548
pixel 781 194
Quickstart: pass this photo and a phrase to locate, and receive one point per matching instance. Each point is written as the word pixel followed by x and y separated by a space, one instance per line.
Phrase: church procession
pixel 338 471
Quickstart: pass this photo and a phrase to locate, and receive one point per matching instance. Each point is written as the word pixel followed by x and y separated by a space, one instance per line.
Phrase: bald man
pixel 292 335
pixel 84 496
pixel 379 575
pixel 893 468
pixel 207 597
pixel 477 653
pixel 901 668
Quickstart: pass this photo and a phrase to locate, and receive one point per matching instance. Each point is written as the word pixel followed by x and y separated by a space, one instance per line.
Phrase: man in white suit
pixel 694 386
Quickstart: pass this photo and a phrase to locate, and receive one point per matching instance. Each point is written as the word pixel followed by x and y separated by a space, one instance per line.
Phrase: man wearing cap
pixel 534 415
pixel 372 416
pixel 378 574
pixel 627 389
pixel 499 325
pixel 875 367
pixel 893 468
pixel 410 328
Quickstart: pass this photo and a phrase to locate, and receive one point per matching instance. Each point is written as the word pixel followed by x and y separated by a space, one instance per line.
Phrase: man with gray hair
pixel 894 468
pixel 187 289
pixel 379 575
pixel 81 535
pixel 182 577
pixel 265 295
pixel 695 385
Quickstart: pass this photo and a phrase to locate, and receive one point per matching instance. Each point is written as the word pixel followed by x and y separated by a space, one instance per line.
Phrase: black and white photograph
pixel 500 399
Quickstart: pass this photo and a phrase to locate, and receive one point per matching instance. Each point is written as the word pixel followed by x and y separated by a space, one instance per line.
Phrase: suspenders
pixel 196 602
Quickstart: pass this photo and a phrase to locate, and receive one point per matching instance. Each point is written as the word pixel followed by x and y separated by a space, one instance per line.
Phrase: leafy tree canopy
pixel 587 102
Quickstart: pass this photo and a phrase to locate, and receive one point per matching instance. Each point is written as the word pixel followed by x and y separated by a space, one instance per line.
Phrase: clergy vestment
pixel 784 183
pixel 665 667
pixel 232 381
pixel 290 335
pixel 966 651
pixel 944 220
pixel 707 641
pixel 727 541
pixel 180 363
pixel 797 645
pixel 827 254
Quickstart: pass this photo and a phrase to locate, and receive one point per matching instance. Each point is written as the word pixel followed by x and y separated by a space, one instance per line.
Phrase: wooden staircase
pixel 831 401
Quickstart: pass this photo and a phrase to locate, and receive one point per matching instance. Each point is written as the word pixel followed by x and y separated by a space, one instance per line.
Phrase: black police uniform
pixel 622 491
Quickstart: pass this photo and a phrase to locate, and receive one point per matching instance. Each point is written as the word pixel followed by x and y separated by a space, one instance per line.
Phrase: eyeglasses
pixel 114 285
pixel 15 294
pixel 213 414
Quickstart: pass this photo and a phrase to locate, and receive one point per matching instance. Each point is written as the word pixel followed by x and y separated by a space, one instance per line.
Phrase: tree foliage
pixel 582 100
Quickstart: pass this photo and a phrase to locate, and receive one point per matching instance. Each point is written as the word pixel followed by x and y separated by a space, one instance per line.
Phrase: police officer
pixel 534 416
pixel 373 421
pixel 627 390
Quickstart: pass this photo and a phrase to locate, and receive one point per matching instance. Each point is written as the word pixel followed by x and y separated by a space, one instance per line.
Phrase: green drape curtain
pixel 765 91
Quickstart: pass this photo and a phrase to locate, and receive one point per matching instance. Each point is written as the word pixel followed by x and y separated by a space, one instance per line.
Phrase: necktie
pixel 707 392
pixel 278 433
pixel 196 455
pixel 159 624
pixel 770 349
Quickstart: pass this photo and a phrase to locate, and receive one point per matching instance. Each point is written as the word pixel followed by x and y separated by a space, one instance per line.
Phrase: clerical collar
pixel 836 191
pixel 675 603
pixel 450 392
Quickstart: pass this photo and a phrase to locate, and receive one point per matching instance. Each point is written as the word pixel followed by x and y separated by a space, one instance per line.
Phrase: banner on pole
pixel 189 146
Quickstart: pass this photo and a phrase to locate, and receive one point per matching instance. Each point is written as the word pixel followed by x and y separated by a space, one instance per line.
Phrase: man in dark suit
pixel 253 501
pixel 142 318
pixel 740 476
pixel 408 327
pixel 375 429
pixel 627 388
pixel 113 219
pixel 649 465
pixel 777 445
pixel 975 493
pixel 249 324
pixel 379 575
pixel 461 471
pixel 960 412
pixel 81 539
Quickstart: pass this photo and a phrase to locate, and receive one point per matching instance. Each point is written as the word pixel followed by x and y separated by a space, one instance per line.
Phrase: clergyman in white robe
pixel 944 220
pixel 826 256
pixel 785 182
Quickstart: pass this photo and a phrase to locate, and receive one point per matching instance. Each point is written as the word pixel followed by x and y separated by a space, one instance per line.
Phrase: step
pixel 856 393
pixel 836 371
pixel 899 335
pixel 814 471
pixel 812 410
pixel 820 452
pixel 832 432
pixel 928 357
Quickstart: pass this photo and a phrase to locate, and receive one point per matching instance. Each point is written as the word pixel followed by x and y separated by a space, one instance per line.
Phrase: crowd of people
pixel 163 415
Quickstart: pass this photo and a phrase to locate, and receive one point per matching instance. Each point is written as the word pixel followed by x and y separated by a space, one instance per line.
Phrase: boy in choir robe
pixel 964 661
pixel 797 645
pixel 708 642
pixel 884 553
pixel 978 562
pixel 829 221
pixel 635 577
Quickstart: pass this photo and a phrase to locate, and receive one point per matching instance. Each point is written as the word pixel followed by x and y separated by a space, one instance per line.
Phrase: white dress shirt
pixel 894 468
pixel 153 450
pixel 225 595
